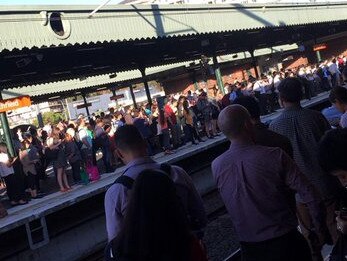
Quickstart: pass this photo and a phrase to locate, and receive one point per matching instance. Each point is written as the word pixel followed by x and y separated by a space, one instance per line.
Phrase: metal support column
pixel 319 57
pixel 218 75
pixel 114 94
pixel 86 104
pixel 7 133
pixel 39 116
pixel 133 96
pixel 145 82
pixel 255 64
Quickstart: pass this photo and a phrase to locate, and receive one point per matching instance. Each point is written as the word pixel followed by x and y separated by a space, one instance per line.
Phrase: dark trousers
pixel 192 133
pixel 289 247
pixel 176 135
pixel 14 188
pixel 106 158
pixel 31 180
pixel 166 139
pixel 263 102
pixel 326 84
pixel 76 170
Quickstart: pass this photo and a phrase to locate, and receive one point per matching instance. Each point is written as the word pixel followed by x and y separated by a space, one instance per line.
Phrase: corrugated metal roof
pixel 79 84
pixel 99 81
pixel 29 27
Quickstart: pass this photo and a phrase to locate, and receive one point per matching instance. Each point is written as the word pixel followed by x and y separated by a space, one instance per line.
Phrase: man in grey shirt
pixel 132 150
pixel 304 128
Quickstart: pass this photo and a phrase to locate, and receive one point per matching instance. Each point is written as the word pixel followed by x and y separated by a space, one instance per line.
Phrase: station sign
pixel 319 47
pixel 81 106
pixel 14 103
pixel 117 97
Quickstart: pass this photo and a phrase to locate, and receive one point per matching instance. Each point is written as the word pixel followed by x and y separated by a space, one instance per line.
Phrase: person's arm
pixel 114 209
pixel 11 162
pixel 51 145
pixel 297 181
pixel 83 137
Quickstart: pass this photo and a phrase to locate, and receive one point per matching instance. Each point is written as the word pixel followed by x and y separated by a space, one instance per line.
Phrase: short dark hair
pixel 129 138
pixel 332 150
pixel 338 93
pixel 290 90
pixel 251 104
pixel 155 225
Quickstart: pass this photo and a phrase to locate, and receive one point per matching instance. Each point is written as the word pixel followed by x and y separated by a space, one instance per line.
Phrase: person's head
pixel 332 154
pixel 70 134
pixel 99 122
pixel 186 105
pixel 129 143
pixel 203 95
pixel 155 225
pixel 3 147
pixel 27 137
pixel 81 122
pixel 25 144
pixel 290 92
pixel 251 105
pixel 55 133
pixel 338 97
pixel 235 122
pixel 189 93
pixel 107 128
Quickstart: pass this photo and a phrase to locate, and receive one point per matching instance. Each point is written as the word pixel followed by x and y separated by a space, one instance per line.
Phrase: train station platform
pixel 54 202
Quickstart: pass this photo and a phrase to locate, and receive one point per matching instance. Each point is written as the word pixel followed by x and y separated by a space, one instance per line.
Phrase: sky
pixel 54 2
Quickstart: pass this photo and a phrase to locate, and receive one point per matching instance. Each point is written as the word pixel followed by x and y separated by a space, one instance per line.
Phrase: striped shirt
pixel 304 128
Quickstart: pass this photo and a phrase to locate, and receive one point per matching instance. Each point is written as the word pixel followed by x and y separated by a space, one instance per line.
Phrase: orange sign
pixel 14 103
pixel 318 47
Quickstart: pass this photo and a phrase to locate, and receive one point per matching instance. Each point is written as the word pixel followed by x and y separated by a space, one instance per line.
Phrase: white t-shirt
pixel 4 170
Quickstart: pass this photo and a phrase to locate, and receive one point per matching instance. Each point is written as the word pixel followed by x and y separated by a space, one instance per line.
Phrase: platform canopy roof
pixel 42 44
pixel 67 88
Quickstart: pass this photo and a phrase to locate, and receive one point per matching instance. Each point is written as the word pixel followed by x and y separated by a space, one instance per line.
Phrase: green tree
pixel 50 116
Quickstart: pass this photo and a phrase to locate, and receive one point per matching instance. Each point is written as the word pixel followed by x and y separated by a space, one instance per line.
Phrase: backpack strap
pixel 125 181
pixel 166 168
pixel 129 182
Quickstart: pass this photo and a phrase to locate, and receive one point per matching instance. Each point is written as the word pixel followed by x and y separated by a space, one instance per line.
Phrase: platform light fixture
pixel 113 75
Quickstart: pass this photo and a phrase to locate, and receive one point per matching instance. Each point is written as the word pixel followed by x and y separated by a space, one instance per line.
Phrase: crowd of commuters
pixel 266 198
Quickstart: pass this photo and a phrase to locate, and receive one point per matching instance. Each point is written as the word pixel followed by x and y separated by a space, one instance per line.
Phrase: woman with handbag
pixel 14 186
pixel 188 115
pixel 56 145
pixel 29 156
pixel 73 154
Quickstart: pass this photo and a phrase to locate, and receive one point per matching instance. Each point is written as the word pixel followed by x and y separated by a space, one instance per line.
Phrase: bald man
pixel 253 181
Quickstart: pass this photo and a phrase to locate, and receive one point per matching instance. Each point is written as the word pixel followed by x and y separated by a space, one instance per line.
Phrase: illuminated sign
pixel 14 103
pixel 319 47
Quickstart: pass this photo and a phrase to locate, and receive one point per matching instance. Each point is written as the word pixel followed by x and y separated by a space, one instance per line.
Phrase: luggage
pixel 84 176
pixel 93 172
